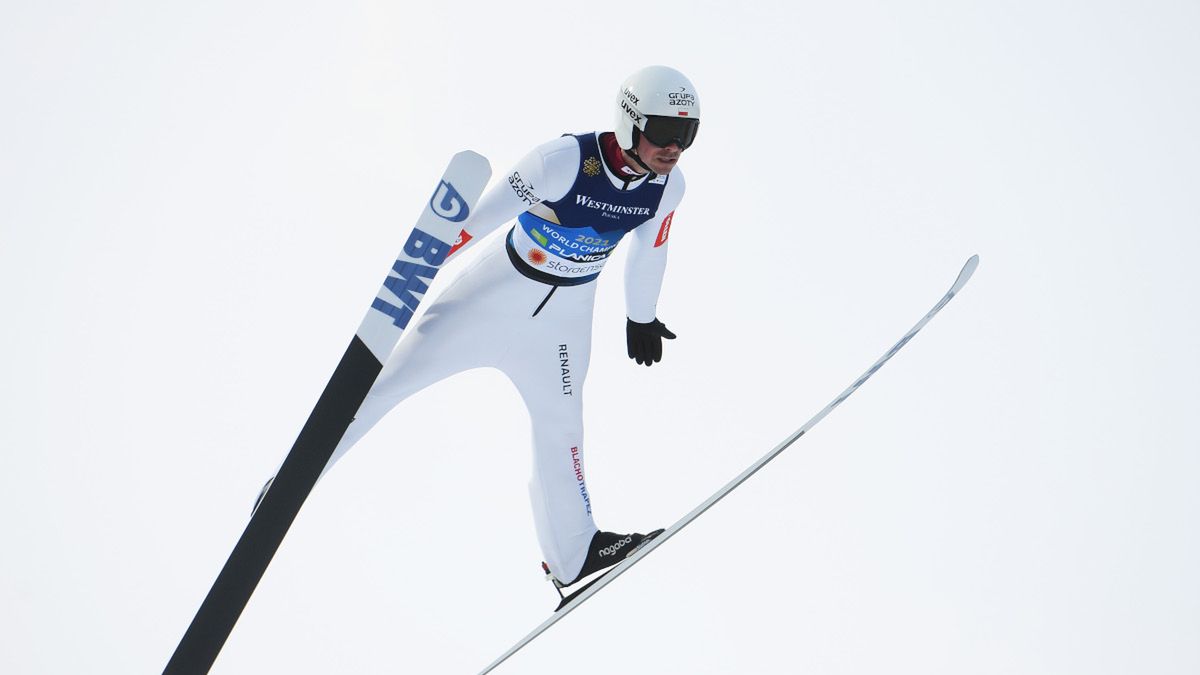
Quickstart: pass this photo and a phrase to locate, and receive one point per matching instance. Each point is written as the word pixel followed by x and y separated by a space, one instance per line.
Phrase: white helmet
pixel 660 103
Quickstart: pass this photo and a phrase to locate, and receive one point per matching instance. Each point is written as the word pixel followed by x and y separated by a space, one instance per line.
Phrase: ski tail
pixel 423 254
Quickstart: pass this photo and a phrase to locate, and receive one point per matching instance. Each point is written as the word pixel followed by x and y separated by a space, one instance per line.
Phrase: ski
pixel 571 602
pixel 432 239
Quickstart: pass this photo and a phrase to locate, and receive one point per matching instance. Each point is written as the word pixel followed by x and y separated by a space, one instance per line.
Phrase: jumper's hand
pixel 645 340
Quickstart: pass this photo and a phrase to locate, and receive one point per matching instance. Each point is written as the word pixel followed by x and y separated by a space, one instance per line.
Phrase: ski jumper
pixel 525 306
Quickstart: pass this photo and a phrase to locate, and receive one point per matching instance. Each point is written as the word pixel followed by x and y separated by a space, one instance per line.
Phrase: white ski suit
pixel 525 308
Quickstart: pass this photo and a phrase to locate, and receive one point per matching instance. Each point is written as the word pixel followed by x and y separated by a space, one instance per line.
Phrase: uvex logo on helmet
pixel 631 111
pixel 610 550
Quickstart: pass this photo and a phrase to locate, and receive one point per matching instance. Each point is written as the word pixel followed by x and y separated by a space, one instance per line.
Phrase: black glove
pixel 645 340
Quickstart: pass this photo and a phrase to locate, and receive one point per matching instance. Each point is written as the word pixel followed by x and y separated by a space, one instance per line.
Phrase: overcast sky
pixel 198 202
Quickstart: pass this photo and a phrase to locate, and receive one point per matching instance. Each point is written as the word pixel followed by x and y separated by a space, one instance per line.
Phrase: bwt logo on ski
pixel 448 204
pixel 611 550
pixel 412 278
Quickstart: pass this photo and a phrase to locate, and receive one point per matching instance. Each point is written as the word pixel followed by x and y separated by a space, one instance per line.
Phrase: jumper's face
pixel 660 159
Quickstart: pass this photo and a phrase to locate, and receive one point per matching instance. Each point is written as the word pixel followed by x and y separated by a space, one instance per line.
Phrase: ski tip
pixel 971 264
pixel 472 158
pixel 965 275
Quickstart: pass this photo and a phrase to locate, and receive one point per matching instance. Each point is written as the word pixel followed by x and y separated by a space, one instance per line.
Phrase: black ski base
pixel 571 596
pixel 273 515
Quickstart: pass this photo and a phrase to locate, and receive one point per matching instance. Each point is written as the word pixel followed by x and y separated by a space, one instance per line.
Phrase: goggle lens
pixel 663 131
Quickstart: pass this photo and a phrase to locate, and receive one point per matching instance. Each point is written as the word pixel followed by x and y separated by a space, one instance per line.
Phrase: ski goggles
pixel 663 131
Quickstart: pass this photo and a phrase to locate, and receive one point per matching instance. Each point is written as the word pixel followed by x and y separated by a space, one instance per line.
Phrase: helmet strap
pixel 632 152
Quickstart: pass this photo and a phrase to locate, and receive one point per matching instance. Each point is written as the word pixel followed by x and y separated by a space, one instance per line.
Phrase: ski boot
pixel 607 549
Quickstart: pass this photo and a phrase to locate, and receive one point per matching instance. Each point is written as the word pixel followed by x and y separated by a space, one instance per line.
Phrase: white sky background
pixel 198 202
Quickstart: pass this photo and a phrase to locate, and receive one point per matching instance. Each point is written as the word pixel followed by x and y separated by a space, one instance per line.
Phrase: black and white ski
pixel 430 242
pixel 577 598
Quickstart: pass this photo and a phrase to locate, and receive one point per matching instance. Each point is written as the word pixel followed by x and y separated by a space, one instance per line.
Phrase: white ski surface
pixel 442 218
pixel 963 277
